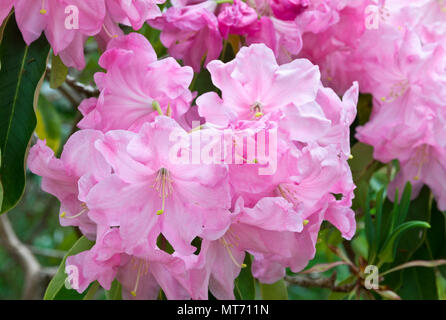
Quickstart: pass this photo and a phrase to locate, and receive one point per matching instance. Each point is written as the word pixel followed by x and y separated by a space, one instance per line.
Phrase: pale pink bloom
pixel 67 32
pixel 133 13
pixel 282 36
pixel 151 192
pixel 341 113
pixel 49 16
pixel 238 18
pixel 254 85
pixel 5 8
pixel 71 177
pixel 426 165
pixel 142 276
pixel 288 9
pixel 191 33
pixel 268 228
pixel 134 81
pixel 415 137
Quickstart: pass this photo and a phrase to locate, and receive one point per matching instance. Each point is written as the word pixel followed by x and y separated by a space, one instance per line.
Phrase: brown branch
pixel 87 90
pixel 23 255
pixel 328 283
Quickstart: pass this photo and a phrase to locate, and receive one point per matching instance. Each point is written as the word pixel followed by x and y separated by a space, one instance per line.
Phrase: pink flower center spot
pixel 257 109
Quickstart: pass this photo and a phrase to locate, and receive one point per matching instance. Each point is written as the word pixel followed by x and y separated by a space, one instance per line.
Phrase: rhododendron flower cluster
pixel 194 29
pixel 400 60
pixel 161 215
pixel 182 189
pixel 68 23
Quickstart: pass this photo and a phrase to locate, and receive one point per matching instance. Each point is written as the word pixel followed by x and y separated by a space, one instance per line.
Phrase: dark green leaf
pixel 244 286
pixel 387 254
pixel 418 283
pixel 22 69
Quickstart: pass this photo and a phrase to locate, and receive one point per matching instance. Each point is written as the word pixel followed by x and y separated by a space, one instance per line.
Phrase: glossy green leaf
pixel 404 203
pixel 22 69
pixel 275 291
pixel 411 240
pixel 418 283
pixel 387 254
pixel 369 231
pixel 379 209
pixel 436 237
pixel 244 285
pixel 58 280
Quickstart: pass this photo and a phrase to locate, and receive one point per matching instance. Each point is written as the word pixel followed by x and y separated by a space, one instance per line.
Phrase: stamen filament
pixel 226 245
pixel 108 32
pixel 163 185
pixel 135 288
pixel 84 209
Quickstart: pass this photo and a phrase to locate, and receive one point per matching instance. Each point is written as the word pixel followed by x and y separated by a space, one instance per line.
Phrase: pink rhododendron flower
pixel 71 177
pixel 191 33
pixel 133 13
pixel 254 85
pixel 238 18
pixel 288 9
pixel 68 23
pixel 269 228
pixel 149 194
pixel 49 16
pixel 134 82
pixel 141 277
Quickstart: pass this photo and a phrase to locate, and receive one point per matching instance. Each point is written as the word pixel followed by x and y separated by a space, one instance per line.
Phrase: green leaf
pixel 369 231
pixel 404 203
pixel 362 166
pixel 379 210
pixel 115 292
pixel 91 292
pixel 411 240
pixel 275 291
pixel 365 104
pixel 58 280
pixel 387 254
pixel 419 283
pixel 21 73
pixel 244 285
pixel 58 73
pixel 436 237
